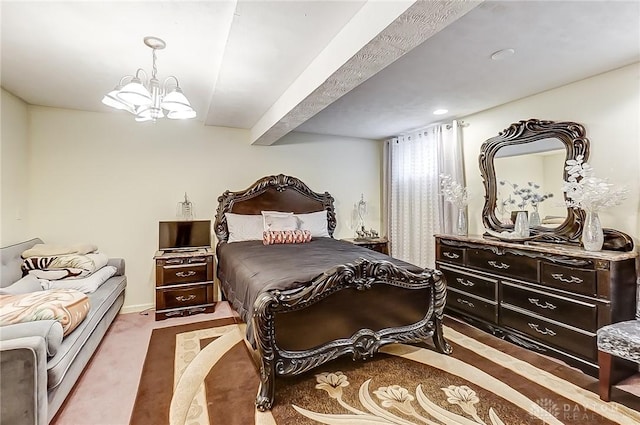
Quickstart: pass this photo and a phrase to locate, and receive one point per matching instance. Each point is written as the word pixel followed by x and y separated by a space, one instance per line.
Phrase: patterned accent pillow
pixel 271 237
pixel 67 306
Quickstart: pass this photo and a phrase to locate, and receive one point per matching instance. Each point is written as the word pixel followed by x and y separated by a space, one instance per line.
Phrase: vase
pixel 461 223
pixel 514 215
pixel 522 225
pixel 534 217
pixel 592 234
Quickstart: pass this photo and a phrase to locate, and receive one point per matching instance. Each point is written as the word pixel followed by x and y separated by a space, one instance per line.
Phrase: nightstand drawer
pixel 518 266
pixel 474 306
pixel 190 273
pixel 184 296
pixel 569 278
pixel 565 310
pixel 580 343
pixel 472 284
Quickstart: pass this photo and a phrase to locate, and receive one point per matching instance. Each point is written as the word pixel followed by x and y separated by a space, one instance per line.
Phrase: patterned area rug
pixel 204 373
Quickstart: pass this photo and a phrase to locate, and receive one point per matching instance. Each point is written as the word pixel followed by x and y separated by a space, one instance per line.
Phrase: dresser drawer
pixel 517 266
pixel 565 310
pixel 582 344
pixel 188 273
pixel 471 305
pixel 451 255
pixel 569 278
pixel 184 297
pixel 472 284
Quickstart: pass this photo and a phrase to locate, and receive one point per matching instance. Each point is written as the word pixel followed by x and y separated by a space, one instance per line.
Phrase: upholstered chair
pixel 622 340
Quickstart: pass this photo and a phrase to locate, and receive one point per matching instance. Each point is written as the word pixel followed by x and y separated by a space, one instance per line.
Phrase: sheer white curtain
pixel 415 210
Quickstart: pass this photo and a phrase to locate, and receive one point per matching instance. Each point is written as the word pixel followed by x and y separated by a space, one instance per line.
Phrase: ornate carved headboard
pixel 273 193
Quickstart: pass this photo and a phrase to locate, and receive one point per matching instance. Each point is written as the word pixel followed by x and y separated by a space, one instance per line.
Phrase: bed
pixel 308 303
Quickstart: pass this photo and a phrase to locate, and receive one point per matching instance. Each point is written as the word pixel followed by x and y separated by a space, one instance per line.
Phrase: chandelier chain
pixel 155 69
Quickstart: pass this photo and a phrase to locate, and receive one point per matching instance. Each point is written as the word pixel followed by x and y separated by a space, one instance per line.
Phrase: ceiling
pixel 368 69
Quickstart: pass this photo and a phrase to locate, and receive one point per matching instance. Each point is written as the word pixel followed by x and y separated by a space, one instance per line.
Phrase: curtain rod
pixel 460 124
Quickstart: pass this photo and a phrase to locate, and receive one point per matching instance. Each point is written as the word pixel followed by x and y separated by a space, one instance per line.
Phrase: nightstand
pixel 376 244
pixel 184 283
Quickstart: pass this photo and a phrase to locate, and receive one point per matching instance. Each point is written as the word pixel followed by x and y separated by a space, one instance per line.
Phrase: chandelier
pixel 145 98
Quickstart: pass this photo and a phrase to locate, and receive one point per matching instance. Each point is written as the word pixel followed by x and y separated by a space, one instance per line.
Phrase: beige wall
pixel 105 179
pixel 608 105
pixel 15 177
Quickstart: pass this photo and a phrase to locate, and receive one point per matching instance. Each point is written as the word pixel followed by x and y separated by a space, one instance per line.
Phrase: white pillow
pixel 244 227
pixel 279 221
pixel 315 222
pixel 87 284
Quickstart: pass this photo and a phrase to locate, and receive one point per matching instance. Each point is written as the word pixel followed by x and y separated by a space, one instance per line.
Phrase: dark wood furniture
pixel 534 136
pixel 545 297
pixel 376 244
pixel 290 326
pixel 184 283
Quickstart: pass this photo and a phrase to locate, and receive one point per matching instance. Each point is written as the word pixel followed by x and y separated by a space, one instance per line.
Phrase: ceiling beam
pixel 379 34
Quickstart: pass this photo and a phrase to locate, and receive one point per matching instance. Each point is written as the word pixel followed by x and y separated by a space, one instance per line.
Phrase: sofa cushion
pixel 101 300
pixel 11 261
pixel 67 306
pixel 25 285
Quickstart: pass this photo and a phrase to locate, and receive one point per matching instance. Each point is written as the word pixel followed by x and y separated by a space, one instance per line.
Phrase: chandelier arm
pixel 164 84
pixel 146 77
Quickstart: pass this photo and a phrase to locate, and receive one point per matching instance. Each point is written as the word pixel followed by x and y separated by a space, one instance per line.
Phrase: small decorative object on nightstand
pixel 379 244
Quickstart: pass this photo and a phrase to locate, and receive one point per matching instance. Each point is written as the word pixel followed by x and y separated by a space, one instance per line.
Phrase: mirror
pixel 523 169
pixel 529 177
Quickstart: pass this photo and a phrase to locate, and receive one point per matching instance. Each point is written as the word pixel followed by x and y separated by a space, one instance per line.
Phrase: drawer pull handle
pixel 178 261
pixel 452 255
pixel 560 277
pixel 185 274
pixel 461 301
pixel 182 298
pixel 197 260
pixel 546 304
pixel 465 282
pixel 499 265
pixel 546 331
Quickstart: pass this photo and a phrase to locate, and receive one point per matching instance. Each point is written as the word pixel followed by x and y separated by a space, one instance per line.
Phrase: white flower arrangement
pixel 588 192
pixel 453 191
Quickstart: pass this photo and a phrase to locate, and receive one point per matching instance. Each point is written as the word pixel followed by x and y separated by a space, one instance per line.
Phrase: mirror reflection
pixel 529 178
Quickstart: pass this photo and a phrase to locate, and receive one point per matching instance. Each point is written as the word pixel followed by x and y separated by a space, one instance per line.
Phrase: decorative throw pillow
pixel 25 285
pixel 67 306
pixel 271 237
pixel 315 222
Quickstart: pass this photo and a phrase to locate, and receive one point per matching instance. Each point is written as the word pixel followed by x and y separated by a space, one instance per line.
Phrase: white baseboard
pixel 137 308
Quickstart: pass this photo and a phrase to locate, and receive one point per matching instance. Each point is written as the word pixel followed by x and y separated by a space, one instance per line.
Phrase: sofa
pixel 38 366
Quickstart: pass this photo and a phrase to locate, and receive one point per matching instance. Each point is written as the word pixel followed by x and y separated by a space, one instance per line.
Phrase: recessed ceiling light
pixel 502 54
pixel 440 111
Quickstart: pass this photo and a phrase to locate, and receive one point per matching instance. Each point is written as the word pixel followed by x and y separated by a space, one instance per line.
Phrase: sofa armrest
pixel 23 387
pixel 50 331
pixel 118 263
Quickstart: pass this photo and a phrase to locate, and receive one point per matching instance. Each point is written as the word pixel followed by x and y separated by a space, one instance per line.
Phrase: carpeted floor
pixel 211 378
pixel 118 364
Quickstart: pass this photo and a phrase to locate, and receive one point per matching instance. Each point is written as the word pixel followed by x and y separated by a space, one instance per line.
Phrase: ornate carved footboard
pixel 362 344
pixel 353 308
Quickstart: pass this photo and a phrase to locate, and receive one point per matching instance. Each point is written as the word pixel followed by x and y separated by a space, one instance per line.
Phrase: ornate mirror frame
pixel 572 135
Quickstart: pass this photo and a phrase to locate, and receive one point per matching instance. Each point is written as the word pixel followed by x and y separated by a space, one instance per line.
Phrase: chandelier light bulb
pixel 146 98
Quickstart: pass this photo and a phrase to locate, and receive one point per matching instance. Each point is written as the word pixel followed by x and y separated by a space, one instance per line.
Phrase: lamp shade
pixel 182 115
pixel 135 93
pixel 111 99
pixel 175 101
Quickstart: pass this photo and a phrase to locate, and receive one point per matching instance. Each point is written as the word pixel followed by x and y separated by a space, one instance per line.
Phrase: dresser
pixel 184 283
pixel 546 297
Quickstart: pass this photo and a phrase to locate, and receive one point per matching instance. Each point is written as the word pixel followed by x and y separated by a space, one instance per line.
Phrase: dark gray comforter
pixel 248 268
